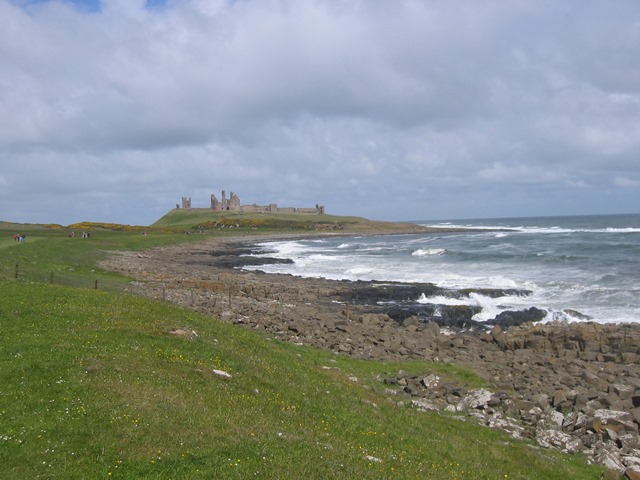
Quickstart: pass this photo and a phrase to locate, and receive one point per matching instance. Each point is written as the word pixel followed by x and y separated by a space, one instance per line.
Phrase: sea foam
pixel 425 252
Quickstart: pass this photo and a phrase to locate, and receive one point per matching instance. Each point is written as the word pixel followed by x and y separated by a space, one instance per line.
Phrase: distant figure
pixel 71 234
pixel 144 234
pixel 16 237
pixel 21 238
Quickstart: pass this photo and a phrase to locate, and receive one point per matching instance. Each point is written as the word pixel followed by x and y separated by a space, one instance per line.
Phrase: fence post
pixel 51 278
pixel 17 269
pixel 96 284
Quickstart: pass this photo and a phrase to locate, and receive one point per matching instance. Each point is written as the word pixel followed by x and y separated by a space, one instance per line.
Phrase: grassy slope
pixel 47 252
pixel 185 217
pixel 206 219
pixel 92 384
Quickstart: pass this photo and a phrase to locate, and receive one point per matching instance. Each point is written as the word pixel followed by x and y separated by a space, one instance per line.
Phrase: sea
pixel 576 268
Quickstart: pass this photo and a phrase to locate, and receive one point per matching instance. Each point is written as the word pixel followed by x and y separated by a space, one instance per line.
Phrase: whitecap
pixel 442 300
pixel 359 272
pixel 425 252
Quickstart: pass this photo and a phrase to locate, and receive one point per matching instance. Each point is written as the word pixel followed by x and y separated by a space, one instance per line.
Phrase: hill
pixel 204 219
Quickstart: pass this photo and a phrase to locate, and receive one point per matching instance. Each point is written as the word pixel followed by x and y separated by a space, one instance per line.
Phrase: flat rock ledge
pixel 568 386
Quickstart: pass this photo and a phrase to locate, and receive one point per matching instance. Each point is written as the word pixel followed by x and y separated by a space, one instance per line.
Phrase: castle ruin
pixel 232 204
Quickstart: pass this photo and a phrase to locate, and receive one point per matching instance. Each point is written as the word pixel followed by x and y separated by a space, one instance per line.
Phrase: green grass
pixel 239 222
pixel 48 254
pixel 191 217
pixel 94 385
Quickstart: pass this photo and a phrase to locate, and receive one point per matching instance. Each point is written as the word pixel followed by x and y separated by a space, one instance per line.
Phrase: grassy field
pixel 94 384
pixel 49 255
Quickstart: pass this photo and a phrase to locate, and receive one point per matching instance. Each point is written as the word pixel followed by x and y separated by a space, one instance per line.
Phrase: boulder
pixel 511 318
pixel 476 399
pixel 559 440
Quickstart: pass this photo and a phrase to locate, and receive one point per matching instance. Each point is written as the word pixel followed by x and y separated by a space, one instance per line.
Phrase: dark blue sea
pixel 575 267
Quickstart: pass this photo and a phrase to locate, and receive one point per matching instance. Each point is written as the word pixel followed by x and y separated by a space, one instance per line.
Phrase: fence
pixel 192 295
pixel 24 273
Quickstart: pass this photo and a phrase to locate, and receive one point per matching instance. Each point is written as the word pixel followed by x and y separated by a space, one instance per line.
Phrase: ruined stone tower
pixel 232 204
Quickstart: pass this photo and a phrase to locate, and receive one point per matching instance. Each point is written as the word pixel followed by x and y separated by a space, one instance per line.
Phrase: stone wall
pixel 233 204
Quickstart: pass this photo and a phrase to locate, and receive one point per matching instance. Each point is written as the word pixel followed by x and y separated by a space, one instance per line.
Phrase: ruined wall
pixel 316 209
pixel 273 208
pixel 259 208
pixel 233 204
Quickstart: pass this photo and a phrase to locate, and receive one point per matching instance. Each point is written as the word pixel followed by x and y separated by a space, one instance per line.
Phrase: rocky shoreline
pixel 570 386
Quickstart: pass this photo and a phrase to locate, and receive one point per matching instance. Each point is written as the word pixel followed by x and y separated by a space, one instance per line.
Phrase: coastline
pixel 574 370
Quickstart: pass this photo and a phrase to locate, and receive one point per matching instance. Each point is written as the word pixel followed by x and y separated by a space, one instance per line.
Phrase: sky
pixel 113 110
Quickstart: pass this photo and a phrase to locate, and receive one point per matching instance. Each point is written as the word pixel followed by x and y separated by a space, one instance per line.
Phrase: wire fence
pixel 25 273
pixel 265 307
pixel 192 294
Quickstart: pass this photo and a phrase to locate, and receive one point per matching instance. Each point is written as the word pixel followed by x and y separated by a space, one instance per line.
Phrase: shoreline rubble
pixel 568 386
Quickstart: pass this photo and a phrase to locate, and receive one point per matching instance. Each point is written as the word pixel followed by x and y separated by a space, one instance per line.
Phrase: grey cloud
pixel 294 101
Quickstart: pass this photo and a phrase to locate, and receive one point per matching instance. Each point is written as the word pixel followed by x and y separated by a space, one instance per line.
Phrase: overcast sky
pixel 113 110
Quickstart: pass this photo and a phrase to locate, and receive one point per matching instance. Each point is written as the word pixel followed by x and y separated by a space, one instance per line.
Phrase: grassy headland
pixel 206 220
pixel 101 384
